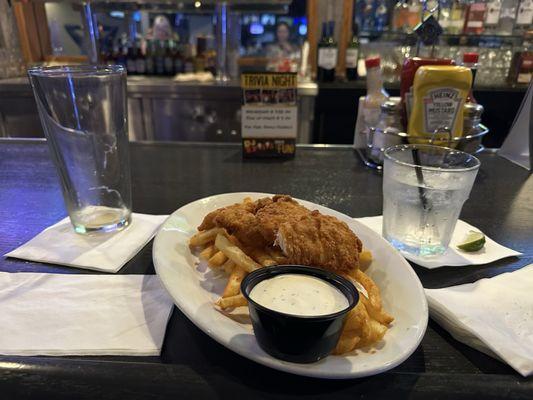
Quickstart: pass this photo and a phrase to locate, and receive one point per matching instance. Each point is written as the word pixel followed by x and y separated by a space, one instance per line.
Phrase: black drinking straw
pixel 420 178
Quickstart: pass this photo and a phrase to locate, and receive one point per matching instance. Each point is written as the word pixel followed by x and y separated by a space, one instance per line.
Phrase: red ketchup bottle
pixel 470 61
pixel 407 78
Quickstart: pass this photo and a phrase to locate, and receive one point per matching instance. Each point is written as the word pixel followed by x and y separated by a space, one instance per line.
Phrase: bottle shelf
pixel 407 35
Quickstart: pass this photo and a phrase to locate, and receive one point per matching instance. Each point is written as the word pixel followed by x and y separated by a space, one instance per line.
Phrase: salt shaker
pixel 387 131
pixel 471 126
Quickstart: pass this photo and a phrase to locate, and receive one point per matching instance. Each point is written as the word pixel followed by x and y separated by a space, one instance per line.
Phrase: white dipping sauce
pixel 299 294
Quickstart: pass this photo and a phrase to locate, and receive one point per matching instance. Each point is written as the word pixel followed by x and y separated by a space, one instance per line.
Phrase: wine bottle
pixel 352 55
pixel 327 54
pixel 159 59
pixel 150 54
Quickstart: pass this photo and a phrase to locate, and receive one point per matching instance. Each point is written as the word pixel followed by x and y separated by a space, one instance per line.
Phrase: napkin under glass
pixel 107 252
pixel 67 314
pixel 491 252
pixel 493 315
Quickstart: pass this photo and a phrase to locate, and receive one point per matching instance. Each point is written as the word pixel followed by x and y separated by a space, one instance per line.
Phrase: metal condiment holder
pixel 470 143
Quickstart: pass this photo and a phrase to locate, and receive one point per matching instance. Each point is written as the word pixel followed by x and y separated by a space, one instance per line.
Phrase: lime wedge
pixel 473 241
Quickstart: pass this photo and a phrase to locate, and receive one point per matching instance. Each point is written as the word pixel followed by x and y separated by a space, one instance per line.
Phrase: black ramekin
pixel 300 339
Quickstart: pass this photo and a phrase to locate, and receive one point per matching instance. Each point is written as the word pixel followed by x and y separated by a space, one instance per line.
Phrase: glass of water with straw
pixel 424 189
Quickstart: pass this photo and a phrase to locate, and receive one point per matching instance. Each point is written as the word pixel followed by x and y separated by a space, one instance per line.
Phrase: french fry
pixel 356 319
pixel 373 302
pixel 379 315
pixel 230 302
pixel 262 257
pixel 365 259
pixel 217 260
pixel 228 266
pixel 373 332
pixel 371 288
pixel 208 252
pixel 233 287
pixel 235 254
pixel 204 237
pixel 346 343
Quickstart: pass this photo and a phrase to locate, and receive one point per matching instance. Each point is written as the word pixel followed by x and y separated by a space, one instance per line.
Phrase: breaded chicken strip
pixel 321 241
pixel 239 220
pixel 283 209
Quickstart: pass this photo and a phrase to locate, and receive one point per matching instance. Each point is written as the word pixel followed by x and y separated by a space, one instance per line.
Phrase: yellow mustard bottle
pixel 439 95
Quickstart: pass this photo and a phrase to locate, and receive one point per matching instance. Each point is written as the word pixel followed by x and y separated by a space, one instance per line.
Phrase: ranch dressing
pixel 299 294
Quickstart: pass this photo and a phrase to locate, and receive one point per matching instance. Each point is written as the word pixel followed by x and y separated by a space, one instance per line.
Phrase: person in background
pixel 161 29
pixel 282 54
pixel 282 48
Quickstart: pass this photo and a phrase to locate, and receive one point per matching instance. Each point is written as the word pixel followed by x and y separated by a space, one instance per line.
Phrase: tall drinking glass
pixel 424 189
pixel 84 116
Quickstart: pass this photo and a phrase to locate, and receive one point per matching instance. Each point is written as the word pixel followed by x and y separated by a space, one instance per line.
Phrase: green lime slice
pixel 473 241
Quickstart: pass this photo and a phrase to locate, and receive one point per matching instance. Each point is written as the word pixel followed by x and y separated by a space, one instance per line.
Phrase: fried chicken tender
pixel 283 209
pixel 321 241
pixel 305 237
pixel 239 220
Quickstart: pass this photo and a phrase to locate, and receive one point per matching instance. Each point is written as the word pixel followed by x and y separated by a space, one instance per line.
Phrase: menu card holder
pixel 269 122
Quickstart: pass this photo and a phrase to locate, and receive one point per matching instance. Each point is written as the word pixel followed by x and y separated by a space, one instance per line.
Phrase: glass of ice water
pixel 424 189
pixel 83 112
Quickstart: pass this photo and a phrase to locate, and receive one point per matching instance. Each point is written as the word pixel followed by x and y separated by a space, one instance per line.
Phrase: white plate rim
pixel 298 369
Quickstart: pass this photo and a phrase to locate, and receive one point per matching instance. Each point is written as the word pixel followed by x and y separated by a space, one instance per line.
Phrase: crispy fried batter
pixel 322 241
pixel 239 220
pixel 306 237
pixel 283 209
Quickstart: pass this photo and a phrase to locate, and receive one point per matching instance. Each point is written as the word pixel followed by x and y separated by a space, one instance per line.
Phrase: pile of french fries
pixel 364 325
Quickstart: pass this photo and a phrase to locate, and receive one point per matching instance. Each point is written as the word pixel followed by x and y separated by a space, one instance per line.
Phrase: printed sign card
pixel 269 122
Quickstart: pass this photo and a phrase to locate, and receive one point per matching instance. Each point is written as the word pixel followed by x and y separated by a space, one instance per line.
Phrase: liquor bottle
pixel 188 63
pixel 375 94
pixel 210 61
pixel 414 15
pixel 159 59
pixel 369 10
pixel 492 17
pixel 445 14
pixel 131 59
pixel 507 17
pixel 120 57
pixel 524 17
pixel 177 59
pixel 431 5
pixel 327 54
pixel 169 61
pixel 352 55
pixel 399 17
pixel 457 17
pixel 470 60
pixel 382 14
pixel 149 57
pixel 475 17
pixel 360 14
pixel 140 62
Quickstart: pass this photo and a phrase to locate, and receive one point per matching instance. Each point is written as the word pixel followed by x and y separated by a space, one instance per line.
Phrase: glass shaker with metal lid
pixel 472 127
pixel 387 131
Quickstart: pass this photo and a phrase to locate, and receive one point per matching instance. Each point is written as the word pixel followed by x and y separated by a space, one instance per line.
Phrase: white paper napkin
pixel 108 252
pixel 491 252
pixel 493 315
pixel 56 314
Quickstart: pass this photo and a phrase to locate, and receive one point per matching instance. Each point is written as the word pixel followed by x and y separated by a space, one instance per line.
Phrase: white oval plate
pixel 195 288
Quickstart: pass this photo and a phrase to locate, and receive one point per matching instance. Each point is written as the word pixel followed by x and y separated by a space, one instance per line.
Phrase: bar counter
pixel 167 176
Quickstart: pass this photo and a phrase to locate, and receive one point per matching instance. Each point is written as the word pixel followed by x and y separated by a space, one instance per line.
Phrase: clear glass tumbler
pixel 424 189
pixel 83 112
